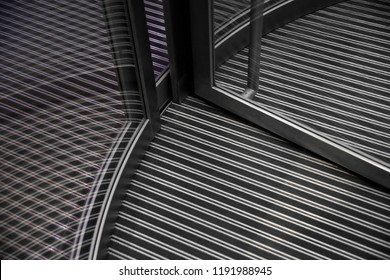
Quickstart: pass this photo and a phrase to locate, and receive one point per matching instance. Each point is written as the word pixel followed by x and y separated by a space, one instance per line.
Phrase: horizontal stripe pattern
pixel 123 54
pixel 119 35
pixel 212 186
pixel 157 35
pixel 329 70
pixel 61 112
pixel 230 15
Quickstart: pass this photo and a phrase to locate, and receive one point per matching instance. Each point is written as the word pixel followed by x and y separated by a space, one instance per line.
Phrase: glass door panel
pixel 326 70
pixel 317 67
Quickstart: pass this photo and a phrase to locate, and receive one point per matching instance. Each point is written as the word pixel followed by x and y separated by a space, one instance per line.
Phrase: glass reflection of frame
pixel 223 46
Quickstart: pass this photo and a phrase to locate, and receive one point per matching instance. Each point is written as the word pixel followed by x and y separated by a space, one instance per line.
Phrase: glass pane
pixel 328 70
pixel 157 36
pixel 229 16
pixel 68 89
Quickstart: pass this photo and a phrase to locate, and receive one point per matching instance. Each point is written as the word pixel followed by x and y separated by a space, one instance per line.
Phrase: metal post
pixel 255 30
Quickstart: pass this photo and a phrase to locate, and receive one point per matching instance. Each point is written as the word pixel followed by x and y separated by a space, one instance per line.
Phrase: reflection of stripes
pixel 96 196
pixel 212 186
pixel 226 11
pixel 230 15
pixel 121 43
pixel 60 113
pixel 49 160
pixel 157 38
pixel 118 32
pixel 329 70
pixel 72 43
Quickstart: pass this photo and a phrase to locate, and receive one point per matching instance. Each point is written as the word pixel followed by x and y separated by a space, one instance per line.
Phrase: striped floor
pixel 329 70
pixel 214 187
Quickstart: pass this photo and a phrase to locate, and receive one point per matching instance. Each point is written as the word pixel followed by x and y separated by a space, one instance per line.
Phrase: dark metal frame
pixel 143 56
pixel 256 32
pixel 178 33
pixel 141 138
pixel 164 88
pixel 276 16
pixel 175 83
pixel 204 62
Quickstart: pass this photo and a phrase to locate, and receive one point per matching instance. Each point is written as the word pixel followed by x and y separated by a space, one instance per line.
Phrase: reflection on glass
pixel 228 15
pixel 61 113
pixel 231 15
pixel 328 70
pixel 157 36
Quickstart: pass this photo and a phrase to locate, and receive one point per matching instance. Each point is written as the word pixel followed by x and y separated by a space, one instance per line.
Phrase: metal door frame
pixel 204 61
pixel 135 149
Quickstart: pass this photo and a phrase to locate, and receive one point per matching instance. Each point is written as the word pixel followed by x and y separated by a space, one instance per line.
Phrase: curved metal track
pixel 214 187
